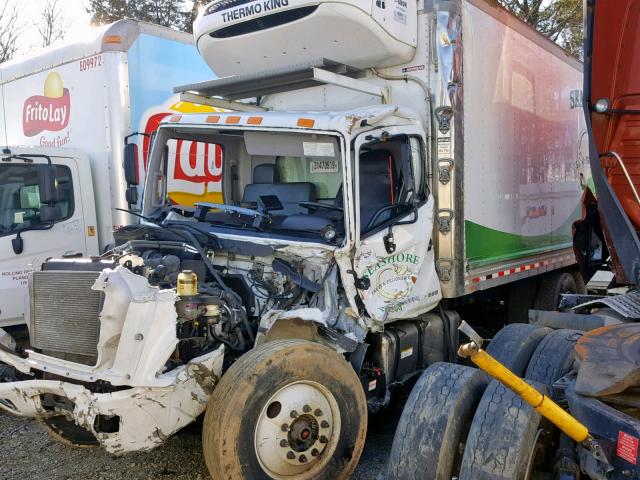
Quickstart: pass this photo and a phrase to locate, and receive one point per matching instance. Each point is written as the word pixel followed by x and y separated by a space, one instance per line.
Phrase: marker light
pixel 306 122
pixel 602 105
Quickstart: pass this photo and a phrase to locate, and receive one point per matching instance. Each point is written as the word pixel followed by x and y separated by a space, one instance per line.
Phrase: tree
pixel 169 13
pixel 53 25
pixel 559 20
pixel 191 15
pixel 10 31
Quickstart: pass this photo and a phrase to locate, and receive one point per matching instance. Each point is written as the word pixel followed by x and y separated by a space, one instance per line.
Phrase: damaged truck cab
pixel 312 247
pixel 309 244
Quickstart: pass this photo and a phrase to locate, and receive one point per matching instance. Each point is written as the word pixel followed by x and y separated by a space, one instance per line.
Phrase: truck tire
pixel 434 421
pixel 553 358
pixel 550 289
pixel 503 437
pixel 514 345
pixel 581 285
pixel 286 409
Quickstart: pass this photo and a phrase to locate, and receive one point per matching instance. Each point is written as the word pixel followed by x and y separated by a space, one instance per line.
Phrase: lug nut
pixel 285 427
pixel 314 452
pixel 323 439
pixel 306 409
pixel 324 424
pixel 291 455
pixel 302 459
pixel 284 443
pixel 318 412
pixel 294 414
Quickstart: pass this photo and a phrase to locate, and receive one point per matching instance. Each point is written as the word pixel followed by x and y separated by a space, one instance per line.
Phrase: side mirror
pixel 47 184
pixel 131 163
pixel 17 244
pixel 408 181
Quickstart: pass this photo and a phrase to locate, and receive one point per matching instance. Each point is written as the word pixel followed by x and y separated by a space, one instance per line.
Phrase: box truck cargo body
pixel 87 96
pixel 431 158
pixel 499 103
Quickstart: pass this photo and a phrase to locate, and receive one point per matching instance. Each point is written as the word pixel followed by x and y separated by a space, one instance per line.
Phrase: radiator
pixel 64 312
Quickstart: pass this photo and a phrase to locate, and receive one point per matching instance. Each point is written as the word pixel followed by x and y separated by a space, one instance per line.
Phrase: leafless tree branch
pixel 10 31
pixel 52 25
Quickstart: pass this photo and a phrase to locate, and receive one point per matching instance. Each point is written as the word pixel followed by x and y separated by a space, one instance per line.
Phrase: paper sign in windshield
pixel 317 149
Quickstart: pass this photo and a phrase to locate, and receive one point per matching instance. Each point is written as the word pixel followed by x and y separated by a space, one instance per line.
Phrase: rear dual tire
pixel 433 430
pixel 434 421
pixel 508 439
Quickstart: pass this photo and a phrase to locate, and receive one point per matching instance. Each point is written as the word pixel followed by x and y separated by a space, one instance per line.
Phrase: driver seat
pixel 376 185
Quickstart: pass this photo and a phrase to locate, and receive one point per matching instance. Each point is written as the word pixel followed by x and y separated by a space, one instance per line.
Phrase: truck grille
pixel 64 314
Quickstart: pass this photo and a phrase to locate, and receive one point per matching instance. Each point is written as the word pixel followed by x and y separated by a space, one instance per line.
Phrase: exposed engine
pixel 221 295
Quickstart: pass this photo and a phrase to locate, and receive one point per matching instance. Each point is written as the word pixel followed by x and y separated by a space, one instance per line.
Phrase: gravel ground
pixel 28 452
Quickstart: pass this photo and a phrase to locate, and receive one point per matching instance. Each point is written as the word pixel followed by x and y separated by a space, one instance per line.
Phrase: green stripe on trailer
pixel 485 245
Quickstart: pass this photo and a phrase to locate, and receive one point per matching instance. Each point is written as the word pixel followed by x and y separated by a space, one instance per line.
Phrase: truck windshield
pixel 292 180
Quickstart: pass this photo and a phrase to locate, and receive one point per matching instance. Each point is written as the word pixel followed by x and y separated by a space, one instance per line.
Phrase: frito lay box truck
pixel 77 104
pixel 388 167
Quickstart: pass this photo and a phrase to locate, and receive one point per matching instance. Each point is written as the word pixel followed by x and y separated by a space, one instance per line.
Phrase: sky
pixel 75 19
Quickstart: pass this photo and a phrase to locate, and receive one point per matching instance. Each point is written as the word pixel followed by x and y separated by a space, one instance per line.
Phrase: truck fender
pixel 296 325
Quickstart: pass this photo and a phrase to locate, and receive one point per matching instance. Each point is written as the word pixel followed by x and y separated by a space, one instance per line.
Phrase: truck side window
pixel 20 196
pixel 383 196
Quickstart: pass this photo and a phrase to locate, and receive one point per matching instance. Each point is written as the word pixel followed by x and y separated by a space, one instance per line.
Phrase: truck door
pixel 20 220
pixel 394 259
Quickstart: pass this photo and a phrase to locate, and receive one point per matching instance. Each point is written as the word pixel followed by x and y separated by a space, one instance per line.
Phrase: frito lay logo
pixel 49 111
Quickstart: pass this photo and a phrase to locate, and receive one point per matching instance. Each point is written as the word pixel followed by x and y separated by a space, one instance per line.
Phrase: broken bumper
pixel 146 415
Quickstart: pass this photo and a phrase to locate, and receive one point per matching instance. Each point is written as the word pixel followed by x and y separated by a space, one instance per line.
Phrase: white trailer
pixel 430 158
pixel 87 97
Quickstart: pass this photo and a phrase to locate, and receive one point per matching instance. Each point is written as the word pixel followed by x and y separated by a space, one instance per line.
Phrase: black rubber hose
pixel 211 268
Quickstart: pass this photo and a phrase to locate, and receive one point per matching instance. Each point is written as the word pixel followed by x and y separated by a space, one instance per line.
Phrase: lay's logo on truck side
pixel 49 111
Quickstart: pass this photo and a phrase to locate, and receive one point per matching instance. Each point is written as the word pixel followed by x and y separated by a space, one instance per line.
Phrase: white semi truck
pixel 75 106
pixel 430 160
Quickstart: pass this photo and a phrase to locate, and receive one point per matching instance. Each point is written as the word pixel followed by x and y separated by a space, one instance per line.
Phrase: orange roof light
pixel 306 122
pixel 112 39
pixel 233 119
pixel 213 119
pixel 254 121
pixel 175 118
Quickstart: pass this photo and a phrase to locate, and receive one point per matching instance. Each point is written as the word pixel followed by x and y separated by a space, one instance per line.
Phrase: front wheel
pixel 287 409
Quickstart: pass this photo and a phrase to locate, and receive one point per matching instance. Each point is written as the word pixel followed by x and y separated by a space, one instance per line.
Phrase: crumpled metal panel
pixel 627 304
pixel 609 360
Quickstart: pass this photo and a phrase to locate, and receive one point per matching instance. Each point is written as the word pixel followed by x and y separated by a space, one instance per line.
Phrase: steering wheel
pixel 372 223
pixel 312 206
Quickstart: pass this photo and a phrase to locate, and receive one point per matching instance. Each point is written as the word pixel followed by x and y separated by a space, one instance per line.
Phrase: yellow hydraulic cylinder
pixel 540 402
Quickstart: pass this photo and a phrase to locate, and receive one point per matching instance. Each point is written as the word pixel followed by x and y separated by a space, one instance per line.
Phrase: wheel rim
pixel 536 452
pixel 297 431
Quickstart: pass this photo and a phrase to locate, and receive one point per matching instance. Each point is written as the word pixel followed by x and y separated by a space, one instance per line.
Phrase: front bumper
pixel 147 415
